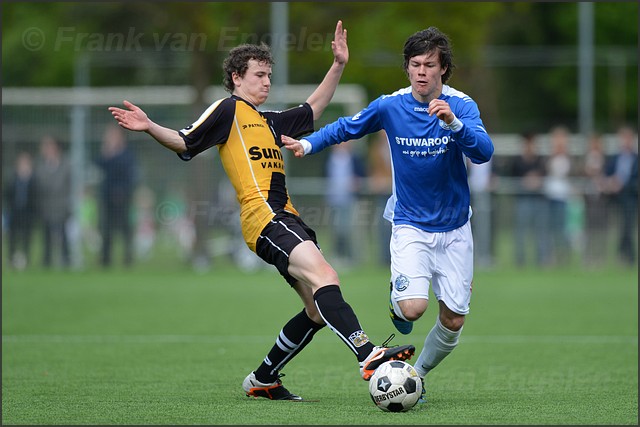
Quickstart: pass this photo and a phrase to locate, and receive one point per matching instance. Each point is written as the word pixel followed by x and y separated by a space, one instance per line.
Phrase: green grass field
pixel 172 347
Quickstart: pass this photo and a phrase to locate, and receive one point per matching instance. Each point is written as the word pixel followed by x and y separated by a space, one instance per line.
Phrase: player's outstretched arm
pixel 294 145
pixel 133 118
pixel 321 97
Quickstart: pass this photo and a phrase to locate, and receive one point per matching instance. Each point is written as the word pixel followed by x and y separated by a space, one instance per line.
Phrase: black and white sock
pixel 293 337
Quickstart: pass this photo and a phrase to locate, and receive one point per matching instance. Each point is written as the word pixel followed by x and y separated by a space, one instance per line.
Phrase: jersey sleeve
pixel 212 128
pixel 473 139
pixel 347 128
pixel 292 122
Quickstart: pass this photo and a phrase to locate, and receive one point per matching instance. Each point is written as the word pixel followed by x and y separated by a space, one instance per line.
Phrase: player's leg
pixel 290 245
pixel 452 288
pixel 304 264
pixel 274 245
pixel 411 264
pixel 441 340
pixel 307 263
pixel 293 337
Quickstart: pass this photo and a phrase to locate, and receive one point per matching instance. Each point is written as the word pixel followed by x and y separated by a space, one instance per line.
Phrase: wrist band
pixel 456 125
pixel 306 145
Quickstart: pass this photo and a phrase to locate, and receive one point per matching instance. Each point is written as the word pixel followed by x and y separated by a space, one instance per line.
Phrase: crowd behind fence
pixel 124 192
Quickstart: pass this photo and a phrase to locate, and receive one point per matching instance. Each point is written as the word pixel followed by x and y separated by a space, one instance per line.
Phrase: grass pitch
pixel 171 346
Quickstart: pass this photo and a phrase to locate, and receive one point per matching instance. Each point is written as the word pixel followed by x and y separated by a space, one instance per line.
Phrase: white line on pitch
pixel 233 339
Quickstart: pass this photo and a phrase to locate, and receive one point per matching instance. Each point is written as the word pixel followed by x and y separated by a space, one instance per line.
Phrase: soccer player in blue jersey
pixel 431 129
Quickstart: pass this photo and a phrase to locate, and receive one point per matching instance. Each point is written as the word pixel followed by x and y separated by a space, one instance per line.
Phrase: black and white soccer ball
pixel 395 386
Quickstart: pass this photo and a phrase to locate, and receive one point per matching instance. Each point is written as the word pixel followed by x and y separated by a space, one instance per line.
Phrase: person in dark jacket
pixel 120 169
pixel 20 201
pixel 53 181
pixel 622 172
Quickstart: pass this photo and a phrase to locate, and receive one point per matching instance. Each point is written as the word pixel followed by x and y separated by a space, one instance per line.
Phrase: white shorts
pixel 444 260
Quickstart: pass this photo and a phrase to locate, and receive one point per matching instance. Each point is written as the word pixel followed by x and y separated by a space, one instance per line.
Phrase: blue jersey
pixel 430 188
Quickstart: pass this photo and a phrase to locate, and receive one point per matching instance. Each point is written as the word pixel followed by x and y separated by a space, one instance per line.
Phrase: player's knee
pixel 412 315
pixel 452 323
pixel 413 309
pixel 329 275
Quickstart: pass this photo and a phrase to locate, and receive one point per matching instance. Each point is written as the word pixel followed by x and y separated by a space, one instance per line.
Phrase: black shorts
pixel 279 237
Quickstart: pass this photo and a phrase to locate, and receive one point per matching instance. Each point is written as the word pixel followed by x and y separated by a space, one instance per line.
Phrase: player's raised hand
pixel 133 118
pixel 293 145
pixel 442 110
pixel 339 45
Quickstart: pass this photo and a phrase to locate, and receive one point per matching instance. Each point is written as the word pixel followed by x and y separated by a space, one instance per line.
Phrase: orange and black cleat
pixel 381 354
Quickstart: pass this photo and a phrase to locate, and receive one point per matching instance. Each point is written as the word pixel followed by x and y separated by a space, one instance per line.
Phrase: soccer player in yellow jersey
pixel 249 144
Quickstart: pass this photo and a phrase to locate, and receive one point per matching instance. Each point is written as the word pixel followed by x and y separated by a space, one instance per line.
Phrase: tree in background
pixel 482 31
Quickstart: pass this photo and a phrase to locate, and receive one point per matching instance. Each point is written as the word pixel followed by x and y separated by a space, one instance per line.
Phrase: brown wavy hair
pixel 238 61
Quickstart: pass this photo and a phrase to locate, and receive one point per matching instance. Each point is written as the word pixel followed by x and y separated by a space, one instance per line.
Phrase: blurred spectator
pixel 623 183
pixel 20 202
pixel 53 182
pixel 528 169
pixel 344 171
pixel 557 190
pixel 119 169
pixel 481 180
pixel 595 202
pixel 380 180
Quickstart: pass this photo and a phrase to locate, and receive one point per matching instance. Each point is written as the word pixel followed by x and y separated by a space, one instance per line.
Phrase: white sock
pixel 439 343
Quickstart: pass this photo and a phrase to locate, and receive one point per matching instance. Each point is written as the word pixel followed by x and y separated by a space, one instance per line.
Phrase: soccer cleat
pixel 403 326
pixel 381 354
pixel 272 391
pixel 423 395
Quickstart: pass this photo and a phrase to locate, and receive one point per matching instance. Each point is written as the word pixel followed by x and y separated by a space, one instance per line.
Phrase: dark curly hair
pixel 426 41
pixel 238 61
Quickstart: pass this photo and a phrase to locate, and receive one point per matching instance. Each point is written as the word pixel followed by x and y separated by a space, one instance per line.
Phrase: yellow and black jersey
pixel 249 145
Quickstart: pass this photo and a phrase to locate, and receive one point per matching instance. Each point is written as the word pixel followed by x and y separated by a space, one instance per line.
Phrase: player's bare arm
pixel 320 98
pixel 294 145
pixel 135 119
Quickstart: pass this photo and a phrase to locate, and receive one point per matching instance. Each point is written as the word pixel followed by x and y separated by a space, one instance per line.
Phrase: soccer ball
pixel 395 386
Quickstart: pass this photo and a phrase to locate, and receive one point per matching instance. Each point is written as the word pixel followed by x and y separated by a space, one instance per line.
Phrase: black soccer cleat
pixel 271 391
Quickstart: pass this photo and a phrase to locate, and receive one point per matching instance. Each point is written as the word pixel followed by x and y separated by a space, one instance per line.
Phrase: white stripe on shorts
pixel 274 245
pixel 291 231
pixel 286 228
